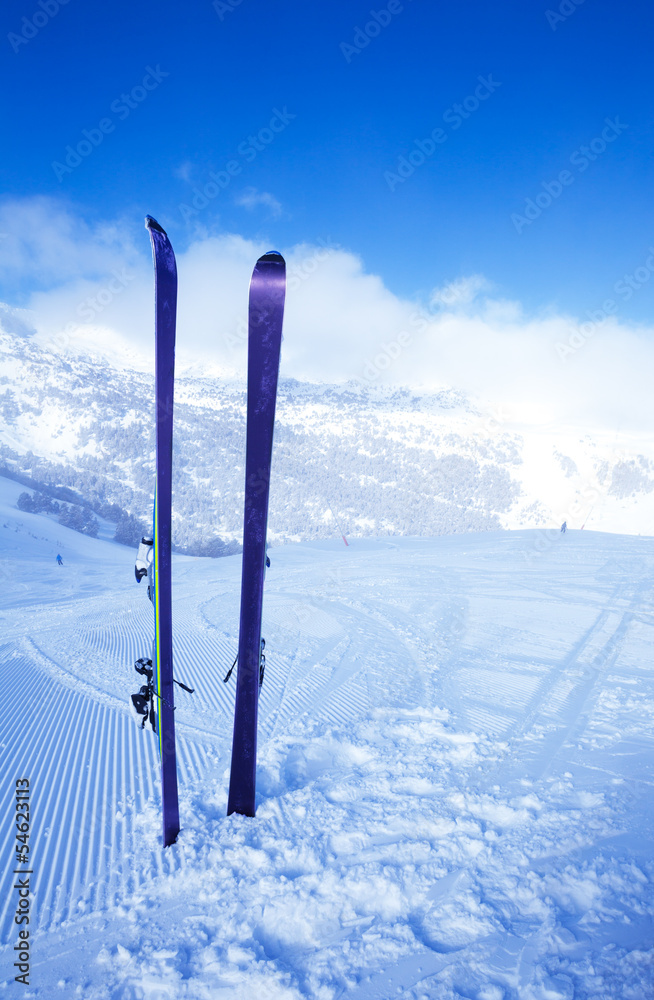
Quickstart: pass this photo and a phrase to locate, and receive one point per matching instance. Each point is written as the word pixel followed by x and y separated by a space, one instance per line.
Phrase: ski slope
pixel 456 771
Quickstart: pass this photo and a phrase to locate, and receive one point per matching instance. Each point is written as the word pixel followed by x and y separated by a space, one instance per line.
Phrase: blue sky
pixel 322 177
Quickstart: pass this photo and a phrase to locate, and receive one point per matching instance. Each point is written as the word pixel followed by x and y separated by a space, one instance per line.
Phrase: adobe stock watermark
pixel 546 538
pixel 248 150
pixel 363 36
pixel 91 307
pixel 386 357
pixel 625 287
pixel 589 496
pixel 295 276
pixel 390 352
pixel 581 160
pixel 493 421
pixel 30 26
pixel 122 107
pixel 565 10
pixel 305 268
pixel 453 117
pixel 223 7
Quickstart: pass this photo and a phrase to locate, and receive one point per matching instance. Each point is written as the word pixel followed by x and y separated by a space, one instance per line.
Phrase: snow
pixel 395 460
pixel 455 775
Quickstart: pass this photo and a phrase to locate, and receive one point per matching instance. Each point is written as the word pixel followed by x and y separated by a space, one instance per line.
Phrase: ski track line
pixel 228 605
pixel 375 642
pixel 20 686
pixel 300 689
pixel 202 662
pixel 570 710
pixel 293 689
pixel 77 787
pixel 203 659
pixel 560 670
pixel 95 836
pixel 400 977
pixel 69 800
pixel 581 701
pixel 326 684
pixel 76 818
pixel 271 720
pixel 109 775
pixel 306 684
pixel 115 652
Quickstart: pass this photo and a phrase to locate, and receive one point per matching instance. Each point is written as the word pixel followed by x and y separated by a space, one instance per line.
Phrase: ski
pixel 266 312
pixel 165 296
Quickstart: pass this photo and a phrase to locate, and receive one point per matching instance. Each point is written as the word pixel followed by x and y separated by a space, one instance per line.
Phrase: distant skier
pixel 60 561
pixel 564 527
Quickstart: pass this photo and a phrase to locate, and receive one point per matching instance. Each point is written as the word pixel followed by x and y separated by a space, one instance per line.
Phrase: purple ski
pixel 267 293
pixel 165 295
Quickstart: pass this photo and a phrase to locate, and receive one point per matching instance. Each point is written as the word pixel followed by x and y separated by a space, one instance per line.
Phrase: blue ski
pixel 266 313
pixel 165 296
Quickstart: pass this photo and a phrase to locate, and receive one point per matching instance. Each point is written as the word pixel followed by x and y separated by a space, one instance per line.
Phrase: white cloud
pixel 46 243
pixel 461 292
pixel 251 199
pixel 183 171
pixel 341 322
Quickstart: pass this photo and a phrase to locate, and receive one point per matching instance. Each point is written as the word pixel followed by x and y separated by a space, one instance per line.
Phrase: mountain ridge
pixel 378 459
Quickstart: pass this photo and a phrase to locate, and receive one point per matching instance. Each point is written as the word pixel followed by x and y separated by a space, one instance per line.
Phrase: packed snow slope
pixel 455 781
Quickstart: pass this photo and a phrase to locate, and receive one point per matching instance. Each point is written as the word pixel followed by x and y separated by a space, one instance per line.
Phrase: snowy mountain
pixel 454 779
pixel 375 460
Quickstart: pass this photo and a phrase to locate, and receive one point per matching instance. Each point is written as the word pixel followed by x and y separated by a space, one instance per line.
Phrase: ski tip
pixel 151 223
pixel 272 257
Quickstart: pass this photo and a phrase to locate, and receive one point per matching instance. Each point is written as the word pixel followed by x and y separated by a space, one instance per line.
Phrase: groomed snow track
pixel 455 785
